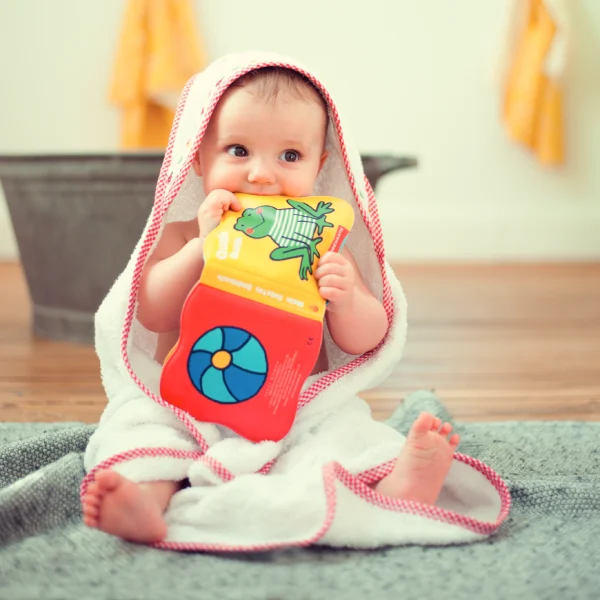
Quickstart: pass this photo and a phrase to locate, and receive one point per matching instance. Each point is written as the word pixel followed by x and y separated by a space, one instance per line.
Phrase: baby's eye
pixel 238 151
pixel 290 156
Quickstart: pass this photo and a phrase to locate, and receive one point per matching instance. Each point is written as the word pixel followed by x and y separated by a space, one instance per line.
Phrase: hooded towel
pixel 315 485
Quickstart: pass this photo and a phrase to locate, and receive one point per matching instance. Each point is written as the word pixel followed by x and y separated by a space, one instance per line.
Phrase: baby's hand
pixel 212 209
pixel 336 279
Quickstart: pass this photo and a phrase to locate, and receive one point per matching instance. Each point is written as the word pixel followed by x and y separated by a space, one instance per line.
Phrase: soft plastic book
pixel 251 328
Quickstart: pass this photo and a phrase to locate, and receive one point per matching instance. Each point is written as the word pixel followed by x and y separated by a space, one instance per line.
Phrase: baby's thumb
pixel 235 203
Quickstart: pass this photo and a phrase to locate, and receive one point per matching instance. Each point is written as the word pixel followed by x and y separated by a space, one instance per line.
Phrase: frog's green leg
pixel 302 252
pixel 323 209
pixel 321 223
pixel 313 244
pixel 305 208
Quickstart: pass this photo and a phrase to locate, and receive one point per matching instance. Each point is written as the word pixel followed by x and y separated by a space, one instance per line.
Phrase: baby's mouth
pixel 259 192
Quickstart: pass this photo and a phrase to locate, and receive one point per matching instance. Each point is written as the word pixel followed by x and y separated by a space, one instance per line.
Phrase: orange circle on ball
pixel 221 359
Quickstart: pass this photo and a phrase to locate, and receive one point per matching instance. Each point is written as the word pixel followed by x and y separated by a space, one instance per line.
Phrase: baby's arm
pixel 176 264
pixel 168 276
pixel 357 320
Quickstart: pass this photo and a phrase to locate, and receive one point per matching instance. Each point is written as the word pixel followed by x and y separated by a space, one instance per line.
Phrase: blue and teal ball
pixel 228 365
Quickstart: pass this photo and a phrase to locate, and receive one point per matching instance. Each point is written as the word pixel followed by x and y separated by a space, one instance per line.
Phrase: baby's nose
pixel 260 172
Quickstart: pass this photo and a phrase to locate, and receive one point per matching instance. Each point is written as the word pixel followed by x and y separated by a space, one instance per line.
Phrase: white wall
pixel 413 77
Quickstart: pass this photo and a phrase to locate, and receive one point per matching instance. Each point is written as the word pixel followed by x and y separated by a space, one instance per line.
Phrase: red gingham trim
pixel 217 468
pixel 379 248
pixel 267 468
pixel 330 500
pixel 153 229
pixel 211 462
pixel 377 473
pixel 227 475
pixel 164 170
pixel 360 487
pixel 133 454
pixel 371 219
pixel 333 472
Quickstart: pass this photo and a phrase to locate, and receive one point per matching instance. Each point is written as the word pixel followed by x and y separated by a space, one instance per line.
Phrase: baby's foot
pixel 120 507
pixel 424 462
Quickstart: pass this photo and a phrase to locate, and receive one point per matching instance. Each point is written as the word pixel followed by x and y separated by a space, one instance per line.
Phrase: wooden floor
pixel 494 342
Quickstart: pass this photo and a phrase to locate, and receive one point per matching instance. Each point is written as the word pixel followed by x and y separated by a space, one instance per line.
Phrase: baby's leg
pixel 424 462
pixel 132 511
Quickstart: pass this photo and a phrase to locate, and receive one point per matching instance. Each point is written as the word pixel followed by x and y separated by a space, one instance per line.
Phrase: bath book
pixel 251 328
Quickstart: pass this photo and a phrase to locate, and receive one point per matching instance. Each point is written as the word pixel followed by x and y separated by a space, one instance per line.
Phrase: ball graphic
pixel 228 365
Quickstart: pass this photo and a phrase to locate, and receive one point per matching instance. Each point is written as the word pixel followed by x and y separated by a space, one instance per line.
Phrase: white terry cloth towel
pixel 315 485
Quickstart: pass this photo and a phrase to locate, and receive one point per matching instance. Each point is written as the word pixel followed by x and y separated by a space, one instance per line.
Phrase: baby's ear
pixel 196 165
pixel 323 159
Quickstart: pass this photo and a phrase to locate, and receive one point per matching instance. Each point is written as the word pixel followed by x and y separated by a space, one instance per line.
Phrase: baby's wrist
pixel 206 229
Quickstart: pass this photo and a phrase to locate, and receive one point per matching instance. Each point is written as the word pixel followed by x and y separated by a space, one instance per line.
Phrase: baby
pixel 266 137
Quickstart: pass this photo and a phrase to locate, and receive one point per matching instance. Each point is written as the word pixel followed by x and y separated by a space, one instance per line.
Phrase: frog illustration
pixel 292 229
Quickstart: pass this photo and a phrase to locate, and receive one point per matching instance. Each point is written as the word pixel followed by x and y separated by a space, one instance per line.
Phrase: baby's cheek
pixel 222 176
pixel 301 183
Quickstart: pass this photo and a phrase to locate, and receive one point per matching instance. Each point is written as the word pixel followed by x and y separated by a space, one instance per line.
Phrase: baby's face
pixel 265 148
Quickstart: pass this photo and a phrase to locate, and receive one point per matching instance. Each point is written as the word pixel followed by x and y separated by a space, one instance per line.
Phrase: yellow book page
pixel 270 250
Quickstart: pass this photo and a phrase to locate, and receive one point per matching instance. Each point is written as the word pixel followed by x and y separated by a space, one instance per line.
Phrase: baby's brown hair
pixel 270 81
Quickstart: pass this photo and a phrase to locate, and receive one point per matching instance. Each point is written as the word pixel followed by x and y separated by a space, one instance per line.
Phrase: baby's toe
pixel 90 509
pixel 91 500
pixel 445 429
pixel 90 521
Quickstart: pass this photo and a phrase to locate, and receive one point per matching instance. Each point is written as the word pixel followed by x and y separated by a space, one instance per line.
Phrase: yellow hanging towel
pixel 533 112
pixel 159 50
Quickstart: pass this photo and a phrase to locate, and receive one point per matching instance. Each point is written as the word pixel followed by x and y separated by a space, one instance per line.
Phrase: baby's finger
pixel 331 294
pixel 235 204
pixel 332 281
pixel 330 268
pixel 333 258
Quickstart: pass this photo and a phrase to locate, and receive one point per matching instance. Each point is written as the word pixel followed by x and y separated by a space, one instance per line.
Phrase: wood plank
pixel 500 342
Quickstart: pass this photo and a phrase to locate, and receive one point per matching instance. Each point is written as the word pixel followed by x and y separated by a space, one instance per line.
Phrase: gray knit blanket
pixel 549 548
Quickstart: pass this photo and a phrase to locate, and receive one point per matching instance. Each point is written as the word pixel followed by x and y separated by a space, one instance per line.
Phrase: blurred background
pixel 494 229
pixel 424 79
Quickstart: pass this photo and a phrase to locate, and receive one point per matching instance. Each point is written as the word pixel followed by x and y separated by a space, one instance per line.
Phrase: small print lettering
pixel 295 302
pixel 268 293
pixel 235 282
